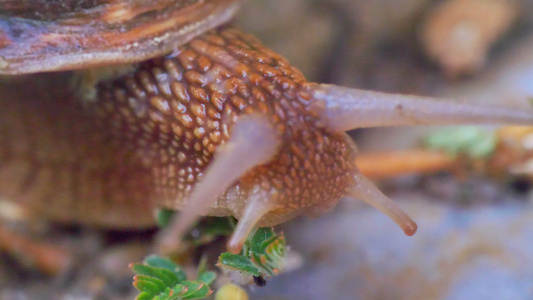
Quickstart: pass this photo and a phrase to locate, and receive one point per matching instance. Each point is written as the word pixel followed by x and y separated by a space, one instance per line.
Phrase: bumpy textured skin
pixel 60 162
pixel 144 139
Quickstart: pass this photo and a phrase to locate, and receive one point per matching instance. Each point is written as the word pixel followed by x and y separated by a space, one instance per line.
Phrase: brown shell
pixel 51 35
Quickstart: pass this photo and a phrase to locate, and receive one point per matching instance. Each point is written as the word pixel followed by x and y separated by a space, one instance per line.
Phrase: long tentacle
pixel 347 109
pixel 253 141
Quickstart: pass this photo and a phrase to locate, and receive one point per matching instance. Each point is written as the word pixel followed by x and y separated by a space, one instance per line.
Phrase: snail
pixel 127 106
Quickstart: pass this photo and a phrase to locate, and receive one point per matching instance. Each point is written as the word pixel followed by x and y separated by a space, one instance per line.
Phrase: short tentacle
pixel 253 141
pixel 369 193
pixel 258 204
pixel 347 109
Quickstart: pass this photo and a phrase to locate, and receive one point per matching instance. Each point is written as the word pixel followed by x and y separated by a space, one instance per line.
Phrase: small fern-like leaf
pixel 237 262
pixel 158 278
pixel 196 290
pixel 263 255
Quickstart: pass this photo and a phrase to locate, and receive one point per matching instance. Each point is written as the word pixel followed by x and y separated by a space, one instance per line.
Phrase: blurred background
pixel 475 217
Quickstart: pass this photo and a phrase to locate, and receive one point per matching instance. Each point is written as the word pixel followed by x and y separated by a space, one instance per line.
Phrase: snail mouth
pixel 344 109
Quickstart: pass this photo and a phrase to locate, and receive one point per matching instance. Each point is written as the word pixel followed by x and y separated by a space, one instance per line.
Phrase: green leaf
pixel 144 296
pixel 263 254
pixel 167 278
pixel 148 285
pixel 237 262
pixel 261 236
pixel 196 290
pixel 207 277
pixel 163 263
pixel 159 278
pixel 175 293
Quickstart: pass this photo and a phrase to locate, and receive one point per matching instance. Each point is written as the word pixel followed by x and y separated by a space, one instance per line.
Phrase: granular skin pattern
pixel 58 161
pixel 148 137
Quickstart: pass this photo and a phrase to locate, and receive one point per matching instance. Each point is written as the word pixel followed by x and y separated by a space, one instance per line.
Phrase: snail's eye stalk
pixel 366 191
pixel 347 109
pixel 254 141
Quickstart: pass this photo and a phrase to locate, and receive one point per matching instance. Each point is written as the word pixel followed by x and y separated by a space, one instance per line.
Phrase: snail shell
pixel 52 35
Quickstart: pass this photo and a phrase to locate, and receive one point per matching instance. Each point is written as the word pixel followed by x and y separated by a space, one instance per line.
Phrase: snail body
pixel 217 124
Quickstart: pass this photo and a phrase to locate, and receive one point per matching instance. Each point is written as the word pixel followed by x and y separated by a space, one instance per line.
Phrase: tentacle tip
pixel 234 247
pixel 410 228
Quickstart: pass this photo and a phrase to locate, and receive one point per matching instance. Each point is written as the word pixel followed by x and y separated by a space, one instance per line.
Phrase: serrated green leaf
pixel 179 289
pixel 196 290
pixel 273 244
pixel 168 277
pixel 148 284
pixel 144 296
pixel 267 251
pixel 160 262
pixel 259 261
pixel 262 255
pixel 176 293
pixel 261 236
pixel 161 279
pixel 237 262
pixel 163 263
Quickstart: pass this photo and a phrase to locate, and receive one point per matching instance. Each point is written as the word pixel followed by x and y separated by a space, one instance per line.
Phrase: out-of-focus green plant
pixel 163 217
pixel 210 228
pixel 475 142
pixel 158 278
